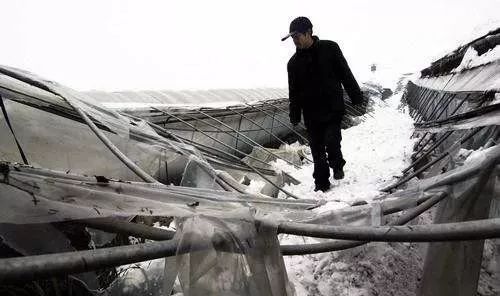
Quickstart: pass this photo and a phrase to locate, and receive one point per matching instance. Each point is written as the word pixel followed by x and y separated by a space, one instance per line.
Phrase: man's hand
pixel 294 123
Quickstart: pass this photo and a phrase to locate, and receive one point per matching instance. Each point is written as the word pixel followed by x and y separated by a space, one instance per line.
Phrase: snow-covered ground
pixel 376 150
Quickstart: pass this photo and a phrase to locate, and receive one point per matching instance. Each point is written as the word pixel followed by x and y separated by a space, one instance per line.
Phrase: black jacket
pixel 315 79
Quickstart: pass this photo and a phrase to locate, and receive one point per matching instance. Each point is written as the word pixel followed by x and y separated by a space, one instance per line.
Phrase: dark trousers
pixel 324 138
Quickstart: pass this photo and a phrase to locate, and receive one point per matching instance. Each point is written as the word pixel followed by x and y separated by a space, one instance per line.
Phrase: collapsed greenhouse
pixel 84 173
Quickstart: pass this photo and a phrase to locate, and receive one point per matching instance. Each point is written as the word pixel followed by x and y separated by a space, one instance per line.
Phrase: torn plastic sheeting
pixel 483 78
pixel 24 92
pixel 245 176
pixel 8 148
pixel 182 98
pixel 453 268
pixel 267 157
pixel 28 198
pixel 27 80
pixel 49 240
pixel 488 157
pixel 21 238
pixel 249 263
pixel 490 118
pixel 50 141
pixel 41 201
pixel 356 215
pixel 33 125
pixel 154 275
pixel 200 175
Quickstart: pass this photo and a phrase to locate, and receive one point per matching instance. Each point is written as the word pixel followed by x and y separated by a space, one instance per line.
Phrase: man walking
pixel 316 73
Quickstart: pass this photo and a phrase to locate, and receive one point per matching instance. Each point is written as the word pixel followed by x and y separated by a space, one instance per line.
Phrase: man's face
pixel 301 40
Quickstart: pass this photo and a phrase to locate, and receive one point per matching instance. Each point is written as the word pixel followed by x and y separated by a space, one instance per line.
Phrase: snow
pixel 477 32
pixel 376 150
pixel 255 186
pixel 471 58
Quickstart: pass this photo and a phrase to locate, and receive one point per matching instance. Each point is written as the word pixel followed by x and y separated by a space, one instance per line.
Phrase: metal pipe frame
pixel 425 103
pixel 438 107
pixel 270 133
pixel 249 139
pixel 355 113
pixel 428 165
pixel 160 129
pixel 451 114
pixel 421 116
pixel 43 266
pixel 429 151
pixel 215 139
pixel 458 231
pixel 129 163
pixel 281 122
pixel 236 158
pixel 128 228
pixel 219 129
pixel 282 116
pixel 306 249
pixel 226 156
pixel 420 98
pixel 257 125
pixel 412 102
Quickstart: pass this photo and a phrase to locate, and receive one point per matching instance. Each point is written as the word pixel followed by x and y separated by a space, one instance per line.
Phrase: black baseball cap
pixel 299 25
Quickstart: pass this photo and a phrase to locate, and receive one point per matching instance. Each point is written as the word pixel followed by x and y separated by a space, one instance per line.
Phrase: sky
pixel 132 45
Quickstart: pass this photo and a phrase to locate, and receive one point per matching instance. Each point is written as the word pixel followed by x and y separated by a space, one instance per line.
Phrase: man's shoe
pixel 323 187
pixel 338 174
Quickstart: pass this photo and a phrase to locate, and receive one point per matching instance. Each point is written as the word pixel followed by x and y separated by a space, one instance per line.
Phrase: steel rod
pixel 458 231
pixel 331 246
pixel 215 139
pixel 431 102
pixel 270 133
pixel 249 139
pixel 226 156
pixel 424 104
pixel 429 164
pixel 356 112
pixel 128 228
pixel 439 107
pixel 451 114
pixel 284 111
pixel 43 266
pixel 129 163
pixel 236 158
pixel 429 151
pixel 219 129
pixel 285 125
pixel 157 128
pixel 257 125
